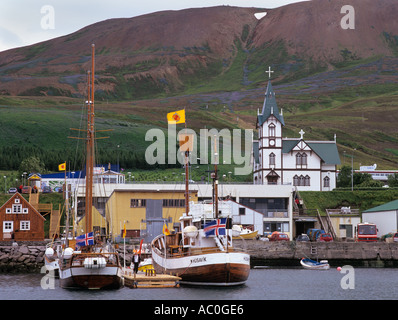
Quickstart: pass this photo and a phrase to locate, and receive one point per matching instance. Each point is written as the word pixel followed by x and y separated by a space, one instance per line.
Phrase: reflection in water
pixel 263 284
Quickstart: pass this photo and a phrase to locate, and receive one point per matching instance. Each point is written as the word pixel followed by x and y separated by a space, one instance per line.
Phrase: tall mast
pixel 186 183
pixel 90 145
pixel 215 181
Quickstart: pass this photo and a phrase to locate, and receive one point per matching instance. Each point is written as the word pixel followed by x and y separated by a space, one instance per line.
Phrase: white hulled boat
pixel 202 252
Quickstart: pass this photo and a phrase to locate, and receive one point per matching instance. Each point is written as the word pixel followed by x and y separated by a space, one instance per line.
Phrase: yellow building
pixel 144 212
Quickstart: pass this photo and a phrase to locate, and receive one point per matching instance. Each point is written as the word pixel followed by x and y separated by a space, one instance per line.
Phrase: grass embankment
pixel 357 199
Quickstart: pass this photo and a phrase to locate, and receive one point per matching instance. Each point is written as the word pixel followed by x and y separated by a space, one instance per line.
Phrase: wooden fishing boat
pixel 87 261
pixel 314 265
pixel 202 251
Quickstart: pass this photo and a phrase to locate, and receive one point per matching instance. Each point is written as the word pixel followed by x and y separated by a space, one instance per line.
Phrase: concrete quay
pixel 338 253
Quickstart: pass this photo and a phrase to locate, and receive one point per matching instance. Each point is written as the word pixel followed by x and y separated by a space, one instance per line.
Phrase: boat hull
pixel 81 277
pixel 313 265
pixel 217 269
pixel 246 236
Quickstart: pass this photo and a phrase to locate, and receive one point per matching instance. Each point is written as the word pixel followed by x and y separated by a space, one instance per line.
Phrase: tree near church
pixel 392 180
pixel 344 177
pixel 31 164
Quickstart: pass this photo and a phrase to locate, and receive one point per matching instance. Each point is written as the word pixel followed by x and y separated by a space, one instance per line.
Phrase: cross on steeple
pixel 302 134
pixel 269 71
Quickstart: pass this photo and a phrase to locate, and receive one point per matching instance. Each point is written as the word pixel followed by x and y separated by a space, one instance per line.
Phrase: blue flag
pixel 216 227
pixel 85 239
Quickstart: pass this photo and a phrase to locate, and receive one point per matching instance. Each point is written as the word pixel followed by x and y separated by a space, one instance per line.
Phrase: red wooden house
pixel 20 221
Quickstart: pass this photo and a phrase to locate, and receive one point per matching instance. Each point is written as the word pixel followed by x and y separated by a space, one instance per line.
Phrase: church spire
pixel 269 106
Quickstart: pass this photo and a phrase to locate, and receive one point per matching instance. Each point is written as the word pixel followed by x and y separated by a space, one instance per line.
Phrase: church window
pixel 301 181
pixel 304 159
pixel 326 182
pixel 271 130
pixel 298 159
pixel 301 159
pixel 272 159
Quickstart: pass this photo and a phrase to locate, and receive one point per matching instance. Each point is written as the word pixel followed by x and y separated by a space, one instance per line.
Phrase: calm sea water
pixel 263 284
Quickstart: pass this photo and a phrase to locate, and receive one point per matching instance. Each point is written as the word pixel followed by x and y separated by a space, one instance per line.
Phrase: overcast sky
pixel 25 22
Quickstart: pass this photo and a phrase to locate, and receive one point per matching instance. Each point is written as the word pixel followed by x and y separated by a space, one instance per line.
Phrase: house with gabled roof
pixel 307 165
pixel 20 221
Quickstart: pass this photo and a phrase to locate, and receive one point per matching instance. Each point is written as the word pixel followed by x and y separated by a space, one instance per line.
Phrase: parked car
pixel 395 237
pixel 12 190
pixel 26 189
pixel 46 189
pixel 279 236
pixel 303 237
pixel 326 237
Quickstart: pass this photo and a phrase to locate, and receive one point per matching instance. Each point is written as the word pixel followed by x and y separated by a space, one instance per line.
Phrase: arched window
pixel 296 180
pixel 302 181
pixel 298 159
pixel 272 159
pixel 304 159
pixel 326 182
pixel 307 181
pixel 271 130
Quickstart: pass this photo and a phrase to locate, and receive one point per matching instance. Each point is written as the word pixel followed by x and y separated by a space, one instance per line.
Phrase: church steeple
pixel 270 107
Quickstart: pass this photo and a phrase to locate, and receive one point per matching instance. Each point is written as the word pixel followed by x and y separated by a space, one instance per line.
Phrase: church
pixel 304 164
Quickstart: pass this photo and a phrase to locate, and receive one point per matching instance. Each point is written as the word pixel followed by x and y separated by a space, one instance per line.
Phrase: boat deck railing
pixel 179 251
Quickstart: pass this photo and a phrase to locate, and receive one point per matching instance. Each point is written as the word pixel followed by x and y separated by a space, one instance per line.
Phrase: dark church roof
pixel 270 107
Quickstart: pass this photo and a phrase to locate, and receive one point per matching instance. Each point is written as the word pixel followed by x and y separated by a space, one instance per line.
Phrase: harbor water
pixel 263 284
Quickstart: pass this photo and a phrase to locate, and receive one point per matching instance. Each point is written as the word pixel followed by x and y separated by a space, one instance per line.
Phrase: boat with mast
pixel 89 261
pixel 201 252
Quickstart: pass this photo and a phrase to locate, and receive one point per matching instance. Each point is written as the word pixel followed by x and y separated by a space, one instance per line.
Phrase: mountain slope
pixel 137 57
pixel 205 49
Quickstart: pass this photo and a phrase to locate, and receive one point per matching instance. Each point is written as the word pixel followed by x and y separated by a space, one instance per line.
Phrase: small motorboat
pixel 238 232
pixel 314 265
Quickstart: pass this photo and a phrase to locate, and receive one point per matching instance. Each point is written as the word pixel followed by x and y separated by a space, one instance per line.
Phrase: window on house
pixel 272 159
pixel 296 180
pixel 307 181
pixel 179 203
pixel 137 203
pixel 24 225
pixel 7 226
pixel 17 208
pixel 242 211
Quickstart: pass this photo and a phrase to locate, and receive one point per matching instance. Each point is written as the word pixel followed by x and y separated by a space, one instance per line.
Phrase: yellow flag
pixel 176 117
pixel 124 231
pixel 165 230
pixel 62 167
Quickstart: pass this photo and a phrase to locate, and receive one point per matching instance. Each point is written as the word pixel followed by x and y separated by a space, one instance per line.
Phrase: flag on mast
pixel 215 227
pixel 62 167
pixel 176 117
pixel 124 231
pixel 165 230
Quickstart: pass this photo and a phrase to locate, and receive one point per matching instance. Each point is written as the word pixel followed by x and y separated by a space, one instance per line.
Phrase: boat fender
pixel 68 253
pixel 218 243
pixel 49 252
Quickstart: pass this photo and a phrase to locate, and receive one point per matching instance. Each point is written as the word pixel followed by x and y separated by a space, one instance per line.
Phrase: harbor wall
pixel 359 254
pixel 28 257
pixel 22 258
